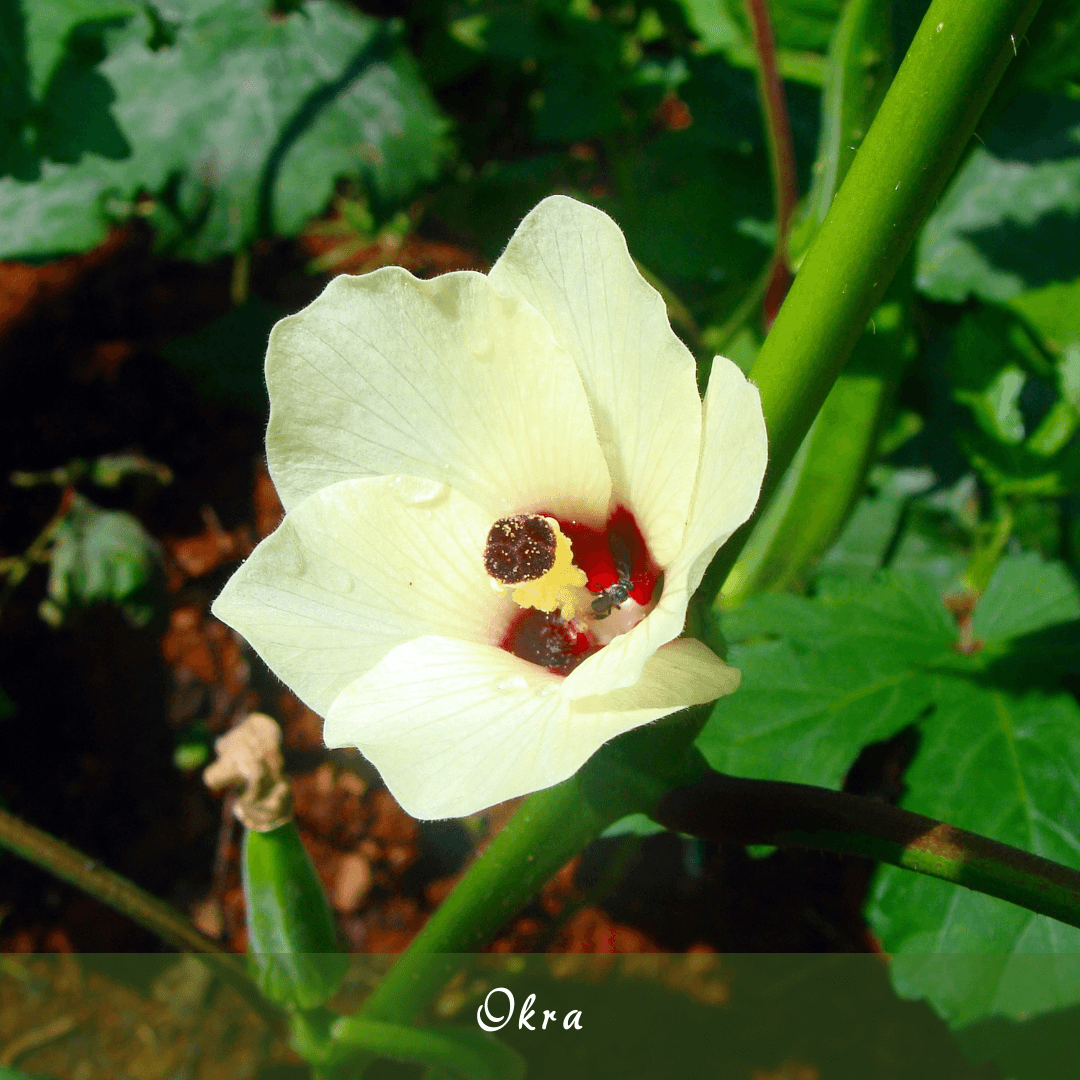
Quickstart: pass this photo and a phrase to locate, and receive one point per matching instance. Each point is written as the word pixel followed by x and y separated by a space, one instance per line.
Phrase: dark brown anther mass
pixel 519 549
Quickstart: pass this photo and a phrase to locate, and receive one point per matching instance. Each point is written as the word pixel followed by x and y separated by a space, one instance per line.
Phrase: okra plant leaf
pixel 1010 219
pixel 844 669
pixel 802 29
pixel 1021 389
pixel 231 123
pixel 1026 594
pixel 1006 765
pixel 797 24
pixel 998 747
pixel 1051 61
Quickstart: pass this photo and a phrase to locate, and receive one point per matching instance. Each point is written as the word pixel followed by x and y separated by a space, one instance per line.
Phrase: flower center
pixel 579 587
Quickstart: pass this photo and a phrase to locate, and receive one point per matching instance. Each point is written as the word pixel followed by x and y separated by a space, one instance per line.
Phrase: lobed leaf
pixel 1003 765
pixel 237 122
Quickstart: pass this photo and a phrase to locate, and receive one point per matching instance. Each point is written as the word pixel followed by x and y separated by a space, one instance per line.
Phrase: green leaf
pixel 999 746
pixel 1054 311
pixel 239 128
pixel 802 29
pixel 290 929
pixel 797 24
pixel 846 672
pixel 1051 61
pixel 102 557
pixel 996 364
pixel 1010 220
pixel 861 547
pixel 48 25
pixel 1003 765
pixel 1026 594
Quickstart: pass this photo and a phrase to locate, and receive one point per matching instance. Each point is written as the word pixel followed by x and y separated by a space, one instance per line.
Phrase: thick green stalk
pixel 517 862
pixel 955 62
pixel 828 474
pixel 958 55
pixel 458 1052
pixel 728 809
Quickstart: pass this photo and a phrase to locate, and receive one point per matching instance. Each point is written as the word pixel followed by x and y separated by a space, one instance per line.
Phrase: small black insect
pixel 613 597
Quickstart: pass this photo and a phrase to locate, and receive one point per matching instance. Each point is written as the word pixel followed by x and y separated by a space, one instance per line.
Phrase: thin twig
pixel 727 809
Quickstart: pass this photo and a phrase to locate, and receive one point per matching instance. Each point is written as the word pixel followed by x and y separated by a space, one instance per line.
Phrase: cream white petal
pixel 679 674
pixel 449 379
pixel 734 453
pixel 454 727
pixel 356 569
pixel 570 262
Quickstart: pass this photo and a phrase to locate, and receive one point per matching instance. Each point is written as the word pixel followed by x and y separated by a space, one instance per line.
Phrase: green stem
pixel 461 1052
pixel 629 775
pixel 957 58
pixel 121 895
pixel 727 809
pixel 516 863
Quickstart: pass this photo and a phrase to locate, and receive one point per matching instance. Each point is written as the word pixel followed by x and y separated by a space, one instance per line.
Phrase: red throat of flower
pixel 618 571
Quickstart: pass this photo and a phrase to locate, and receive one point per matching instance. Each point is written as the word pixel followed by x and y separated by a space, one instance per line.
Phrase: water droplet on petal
pixel 547 691
pixel 480 343
pixel 418 493
pixel 339 581
pixel 293 560
pixel 514 683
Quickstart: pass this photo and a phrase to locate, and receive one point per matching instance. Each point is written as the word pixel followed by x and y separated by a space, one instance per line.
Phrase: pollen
pixel 520 548
pixel 520 554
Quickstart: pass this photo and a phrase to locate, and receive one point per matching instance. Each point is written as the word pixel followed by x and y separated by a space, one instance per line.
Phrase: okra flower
pixel 500 493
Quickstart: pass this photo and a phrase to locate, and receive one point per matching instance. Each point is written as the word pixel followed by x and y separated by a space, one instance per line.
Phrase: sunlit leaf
pixel 1003 765
pixel 998 747
pixel 845 669
pixel 1010 219
pixel 237 127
